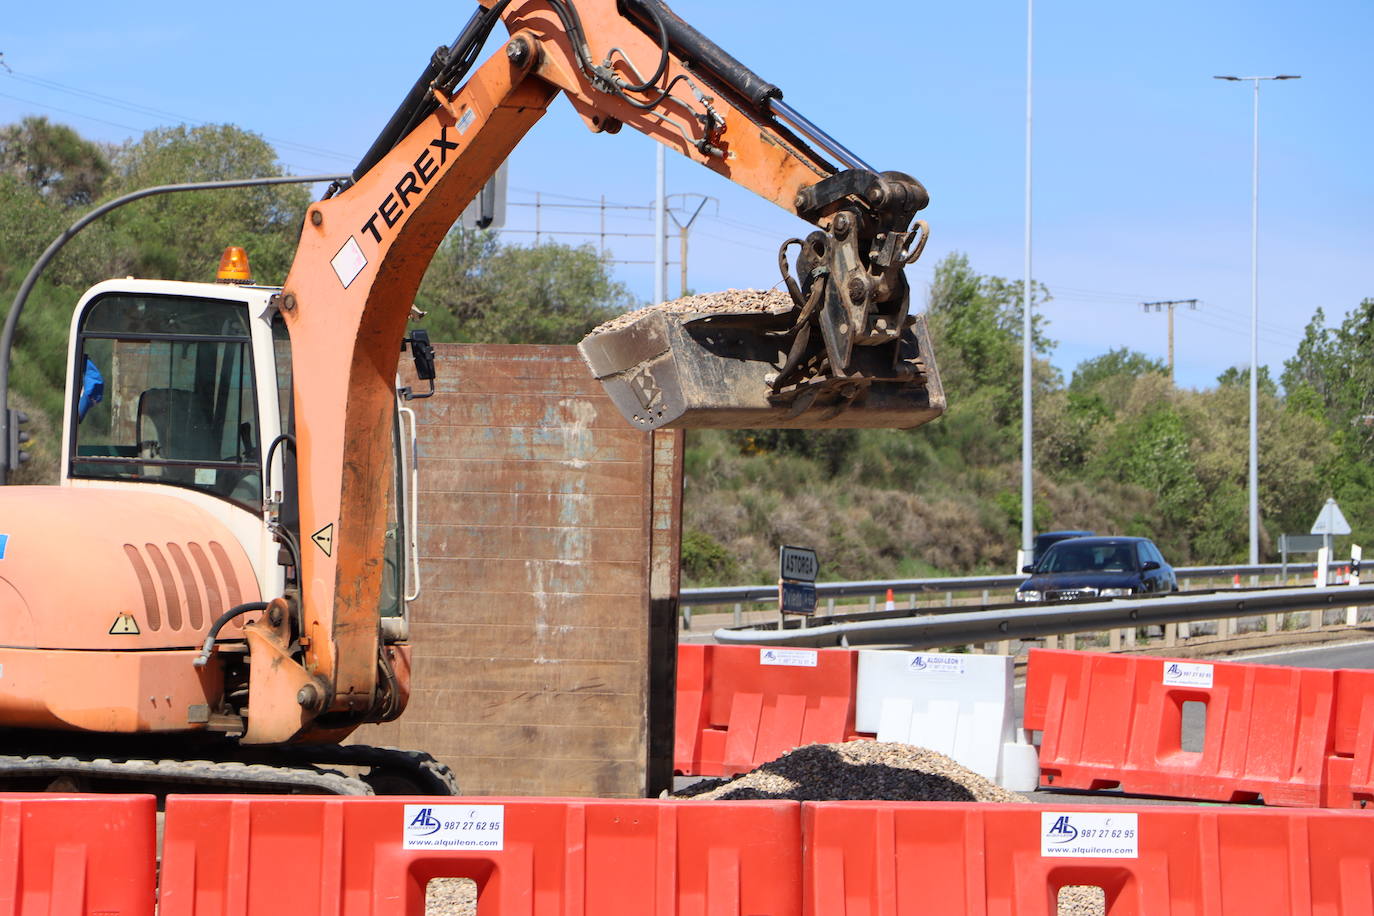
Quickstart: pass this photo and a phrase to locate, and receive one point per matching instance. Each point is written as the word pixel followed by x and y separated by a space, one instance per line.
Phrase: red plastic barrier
pixel 300 856
pixel 79 854
pixel 692 715
pixel 904 859
pixel 1114 721
pixel 1350 767
pixel 760 703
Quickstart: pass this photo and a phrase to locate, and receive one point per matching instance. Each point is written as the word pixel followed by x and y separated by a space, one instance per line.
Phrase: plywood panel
pixel 545 635
pixel 530 542
pixel 607 478
pixel 538 509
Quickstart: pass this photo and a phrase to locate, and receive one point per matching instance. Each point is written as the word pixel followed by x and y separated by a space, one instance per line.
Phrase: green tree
pixel 54 160
pixel 1332 374
pixel 1331 377
pixel 1109 377
pixel 49 176
pixel 976 327
pixel 481 291
pixel 180 236
pixel 1152 449
pixel 1239 376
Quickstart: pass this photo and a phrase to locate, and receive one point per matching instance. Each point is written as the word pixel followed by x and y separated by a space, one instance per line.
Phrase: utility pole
pixel 1169 304
pixel 683 228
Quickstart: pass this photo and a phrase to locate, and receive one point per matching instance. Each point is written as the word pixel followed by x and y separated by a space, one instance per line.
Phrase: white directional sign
pixel 1330 520
pixel 798 563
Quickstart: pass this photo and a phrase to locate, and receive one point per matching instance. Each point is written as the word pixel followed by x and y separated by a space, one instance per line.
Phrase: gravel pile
pixel 451 897
pixel 1081 900
pixel 858 771
pixel 730 300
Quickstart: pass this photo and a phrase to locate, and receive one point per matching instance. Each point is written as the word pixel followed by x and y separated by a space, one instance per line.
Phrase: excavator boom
pixel 845 352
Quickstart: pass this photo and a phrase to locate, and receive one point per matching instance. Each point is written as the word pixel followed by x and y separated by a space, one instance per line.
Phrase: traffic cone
pixel 891 601
pixel 1345 573
pixel 1235 582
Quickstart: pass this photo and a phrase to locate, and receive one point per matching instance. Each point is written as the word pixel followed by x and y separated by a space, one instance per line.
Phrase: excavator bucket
pixel 837 349
pixel 704 362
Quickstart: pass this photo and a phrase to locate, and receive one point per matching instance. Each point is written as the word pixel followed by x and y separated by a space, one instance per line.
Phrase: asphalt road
pixel 1343 655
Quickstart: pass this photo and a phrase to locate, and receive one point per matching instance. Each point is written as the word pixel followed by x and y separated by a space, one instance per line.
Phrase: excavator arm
pixel 847 347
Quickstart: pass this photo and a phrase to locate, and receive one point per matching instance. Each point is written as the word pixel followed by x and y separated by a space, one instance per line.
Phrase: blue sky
pixel 1142 160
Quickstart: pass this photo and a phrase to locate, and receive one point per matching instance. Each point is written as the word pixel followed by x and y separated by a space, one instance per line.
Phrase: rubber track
pixel 229 776
pixel 430 776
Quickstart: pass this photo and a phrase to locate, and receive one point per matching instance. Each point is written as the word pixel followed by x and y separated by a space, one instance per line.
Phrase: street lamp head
pixel 1288 76
pixel 1233 78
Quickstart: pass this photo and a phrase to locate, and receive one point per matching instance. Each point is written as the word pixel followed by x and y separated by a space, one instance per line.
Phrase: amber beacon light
pixel 233 266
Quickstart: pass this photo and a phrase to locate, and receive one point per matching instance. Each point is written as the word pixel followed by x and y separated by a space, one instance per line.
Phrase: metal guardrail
pixel 744 594
pixel 747 594
pixel 1032 621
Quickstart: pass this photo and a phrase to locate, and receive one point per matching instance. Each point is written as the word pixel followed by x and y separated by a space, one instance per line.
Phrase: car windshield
pixel 1067 556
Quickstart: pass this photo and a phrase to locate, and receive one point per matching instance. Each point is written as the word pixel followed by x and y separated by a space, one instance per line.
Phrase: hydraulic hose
pixel 238 610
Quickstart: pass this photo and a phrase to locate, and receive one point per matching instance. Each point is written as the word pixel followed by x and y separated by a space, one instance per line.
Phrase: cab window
pixel 164 393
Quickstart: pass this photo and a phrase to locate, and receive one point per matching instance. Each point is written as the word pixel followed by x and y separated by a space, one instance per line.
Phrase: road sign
pixel 1301 543
pixel 798 563
pixel 1330 520
pixel 488 208
pixel 796 597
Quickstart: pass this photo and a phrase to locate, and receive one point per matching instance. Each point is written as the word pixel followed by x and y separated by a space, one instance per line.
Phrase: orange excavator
pixel 215 594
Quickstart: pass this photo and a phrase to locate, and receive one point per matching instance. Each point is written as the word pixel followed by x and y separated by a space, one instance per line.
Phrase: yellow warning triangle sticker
pixel 324 539
pixel 124 625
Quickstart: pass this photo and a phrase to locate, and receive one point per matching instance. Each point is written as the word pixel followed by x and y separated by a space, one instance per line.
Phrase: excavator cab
pixel 838 349
pixel 168 395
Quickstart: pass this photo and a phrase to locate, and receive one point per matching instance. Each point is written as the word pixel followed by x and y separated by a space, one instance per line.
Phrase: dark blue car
pixel 1097 567
pixel 1045 540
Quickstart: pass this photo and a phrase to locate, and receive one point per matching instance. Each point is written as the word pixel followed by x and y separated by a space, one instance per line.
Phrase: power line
pixel 137 108
pixel 75 114
pixel 1274 326
pixel 1235 329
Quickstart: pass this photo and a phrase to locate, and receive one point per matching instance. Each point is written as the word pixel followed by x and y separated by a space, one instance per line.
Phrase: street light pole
pixel 1254 312
pixel 660 225
pixel 1027 347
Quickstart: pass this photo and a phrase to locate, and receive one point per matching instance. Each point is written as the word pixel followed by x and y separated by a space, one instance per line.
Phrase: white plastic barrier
pixel 959 705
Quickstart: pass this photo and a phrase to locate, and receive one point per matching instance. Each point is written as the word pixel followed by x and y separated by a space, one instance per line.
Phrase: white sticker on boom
pixel 1187 674
pixel 466 121
pixel 936 664
pixel 455 827
pixel 796 658
pixel 1075 834
pixel 349 262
